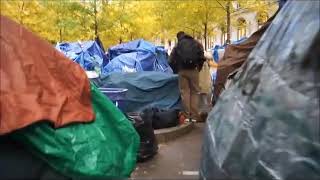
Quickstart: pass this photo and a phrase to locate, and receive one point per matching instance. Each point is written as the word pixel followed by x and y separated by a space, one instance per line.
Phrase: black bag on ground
pixel 148 143
pixel 164 118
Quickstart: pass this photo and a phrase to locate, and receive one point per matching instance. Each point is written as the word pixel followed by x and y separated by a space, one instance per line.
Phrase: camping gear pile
pixel 145 122
pixel 266 124
pixel 60 120
pixel 116 73
pixel 136 77
pixel 122 66
pixel 147 104
pixel 148 142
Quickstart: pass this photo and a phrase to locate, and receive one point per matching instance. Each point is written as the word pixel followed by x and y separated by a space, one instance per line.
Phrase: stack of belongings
pixel 142 69
pixel 139 61
pixel 147 104
pixel 266 124
pixel 145 122
pixel 234 56
pixel 136 56
pixel 65 126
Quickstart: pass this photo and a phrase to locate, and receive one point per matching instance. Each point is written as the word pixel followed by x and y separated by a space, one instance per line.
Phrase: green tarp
pixel 105 148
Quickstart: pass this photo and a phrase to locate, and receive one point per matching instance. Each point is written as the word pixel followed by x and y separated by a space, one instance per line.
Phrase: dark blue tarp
pixel 145 89
pixel 88 54
pixel 136 56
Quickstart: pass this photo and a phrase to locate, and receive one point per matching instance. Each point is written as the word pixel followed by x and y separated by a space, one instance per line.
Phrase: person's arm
pixel 202 58
pixel 173 60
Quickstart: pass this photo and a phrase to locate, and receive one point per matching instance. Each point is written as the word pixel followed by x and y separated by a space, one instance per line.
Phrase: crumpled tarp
pixel 88 54
pixel 37 82
pixel 106 148
pixel 136 56
pixel 145 89
pixel 234 56
pixel 266 125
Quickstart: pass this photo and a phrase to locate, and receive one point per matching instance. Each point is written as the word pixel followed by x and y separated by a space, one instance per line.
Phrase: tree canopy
pixel 118 21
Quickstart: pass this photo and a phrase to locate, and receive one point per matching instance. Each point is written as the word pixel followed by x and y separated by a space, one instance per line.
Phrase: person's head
pixel 180 34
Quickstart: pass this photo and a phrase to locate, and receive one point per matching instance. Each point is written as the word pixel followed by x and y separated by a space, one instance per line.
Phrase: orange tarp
pixel 38 82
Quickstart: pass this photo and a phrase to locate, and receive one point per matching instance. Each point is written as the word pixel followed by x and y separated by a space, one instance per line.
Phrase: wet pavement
pixel 176 159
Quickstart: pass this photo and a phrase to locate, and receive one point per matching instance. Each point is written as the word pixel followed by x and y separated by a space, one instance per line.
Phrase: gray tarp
pixel 145 89
pixel 266 125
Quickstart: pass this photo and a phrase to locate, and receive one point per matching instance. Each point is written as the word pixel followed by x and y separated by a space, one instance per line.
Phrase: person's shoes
pixel 203 116
pixel 191 120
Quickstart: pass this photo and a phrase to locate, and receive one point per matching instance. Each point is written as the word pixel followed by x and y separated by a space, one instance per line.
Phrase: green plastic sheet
pixel 104 148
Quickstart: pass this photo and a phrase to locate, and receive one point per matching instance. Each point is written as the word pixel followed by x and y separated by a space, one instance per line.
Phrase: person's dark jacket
pixel 187 54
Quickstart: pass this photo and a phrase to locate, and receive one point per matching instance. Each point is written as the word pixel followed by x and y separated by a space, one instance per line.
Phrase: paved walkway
pixel 177 159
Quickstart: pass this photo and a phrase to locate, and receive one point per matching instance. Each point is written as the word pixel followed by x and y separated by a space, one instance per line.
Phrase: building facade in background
pixel 243 23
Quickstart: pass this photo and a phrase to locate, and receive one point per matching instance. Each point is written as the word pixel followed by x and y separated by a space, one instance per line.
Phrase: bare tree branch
pixel 221 5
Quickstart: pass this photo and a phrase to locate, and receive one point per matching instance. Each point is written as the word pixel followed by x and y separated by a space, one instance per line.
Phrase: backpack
pixel 190 52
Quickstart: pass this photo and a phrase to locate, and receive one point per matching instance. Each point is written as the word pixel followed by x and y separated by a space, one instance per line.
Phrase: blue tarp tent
pixel 136 56
pixel 88 54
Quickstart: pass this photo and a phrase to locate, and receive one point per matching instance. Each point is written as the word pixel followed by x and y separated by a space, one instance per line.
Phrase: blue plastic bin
pixel 116 95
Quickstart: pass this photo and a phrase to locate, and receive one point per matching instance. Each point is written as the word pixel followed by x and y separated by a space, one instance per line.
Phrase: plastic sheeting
pixel 105 148
pixel 266 125
pixel 136 56
pixel 235 55
pixel 37 82
pixel 145 89
pixel 88 54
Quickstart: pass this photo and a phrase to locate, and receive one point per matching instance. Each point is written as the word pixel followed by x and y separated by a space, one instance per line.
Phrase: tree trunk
pixel 228 23
pixel 20 13
pixel 205 36
pixel 95 19
pixel 60 34
pixel 222 37
pixel 162 41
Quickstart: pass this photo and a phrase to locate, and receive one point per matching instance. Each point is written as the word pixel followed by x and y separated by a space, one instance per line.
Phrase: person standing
pixel 187 59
